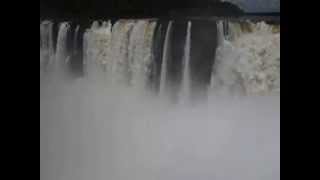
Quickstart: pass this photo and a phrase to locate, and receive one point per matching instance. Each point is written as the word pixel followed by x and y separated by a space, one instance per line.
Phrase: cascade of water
pixel 97 41
pixel 259 59
pixel 106 24
pixel 62 55
pixel 224 79
pixel 85 51
pixel 220 32
pixel 136 53
pixel 149 59
pixel 165 56
pixel 119 47
pixel 75 39
pixel 234 30
pixel 140 52
pixel 90 50
pixel 92 132
pixel 123 51
pixel 46 44
pixel 105 45
pixel 249 62
pixel 185 87
pixel 124 54
pixel 220 39
pixel 95 25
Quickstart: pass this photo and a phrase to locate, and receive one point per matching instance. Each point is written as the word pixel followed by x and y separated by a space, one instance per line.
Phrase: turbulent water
pixel 46 45
pixel 249 62
pixel 109 124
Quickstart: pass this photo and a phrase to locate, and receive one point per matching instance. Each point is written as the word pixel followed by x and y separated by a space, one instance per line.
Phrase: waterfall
pixel 139 54
pixel 121 53
pixel 46 44
pixel 185 87
pixel 96 45
pixel 62 56
pixel 221 41
pixel 75 40
pixel 247 61
pixel 105 124
pixel 95 25
pixel 119 48
pixel 165 57
pixel 149 58
pixel 220 32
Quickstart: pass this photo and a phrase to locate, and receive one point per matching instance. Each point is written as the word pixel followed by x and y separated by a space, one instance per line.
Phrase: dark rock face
pixel 203 49
pixel 96 9
pixel 202 53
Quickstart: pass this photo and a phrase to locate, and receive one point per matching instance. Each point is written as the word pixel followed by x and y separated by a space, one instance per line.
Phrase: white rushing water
pixel 97 47
pixel 107 126
pixel 185 88
pixel 165 57
pixel 248 63
pixel 46 45
pixel 75 38
pixel 62 56
pixel 140 53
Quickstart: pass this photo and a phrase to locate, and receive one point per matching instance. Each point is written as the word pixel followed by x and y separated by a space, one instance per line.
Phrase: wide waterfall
pixel 153 99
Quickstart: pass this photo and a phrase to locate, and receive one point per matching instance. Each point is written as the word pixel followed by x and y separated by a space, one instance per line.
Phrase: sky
pixel 258 5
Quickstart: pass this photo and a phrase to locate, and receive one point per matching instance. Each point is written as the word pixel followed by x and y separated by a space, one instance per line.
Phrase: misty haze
pixel 151 99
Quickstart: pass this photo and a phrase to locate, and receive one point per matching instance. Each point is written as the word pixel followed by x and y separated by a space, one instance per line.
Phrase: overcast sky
pixel 258 5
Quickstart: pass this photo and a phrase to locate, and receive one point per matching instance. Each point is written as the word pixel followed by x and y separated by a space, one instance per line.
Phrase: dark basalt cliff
pixel 135 8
